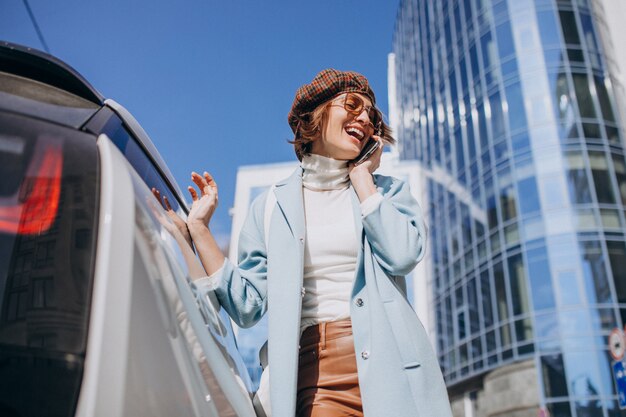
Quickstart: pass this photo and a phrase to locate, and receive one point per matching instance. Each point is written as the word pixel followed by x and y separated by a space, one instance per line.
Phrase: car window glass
pixel 177 265
pixel 140 161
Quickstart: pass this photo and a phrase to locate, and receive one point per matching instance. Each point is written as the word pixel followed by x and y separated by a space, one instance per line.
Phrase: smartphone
pixel 368 149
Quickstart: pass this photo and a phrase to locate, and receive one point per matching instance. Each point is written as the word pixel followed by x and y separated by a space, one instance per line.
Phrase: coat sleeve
pixel 396 229
pixel 242 288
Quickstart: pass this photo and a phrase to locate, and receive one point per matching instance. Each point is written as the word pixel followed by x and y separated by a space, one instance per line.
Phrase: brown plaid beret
pixel 326 85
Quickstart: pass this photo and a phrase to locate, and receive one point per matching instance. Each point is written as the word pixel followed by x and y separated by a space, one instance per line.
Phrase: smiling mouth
pixel 355 133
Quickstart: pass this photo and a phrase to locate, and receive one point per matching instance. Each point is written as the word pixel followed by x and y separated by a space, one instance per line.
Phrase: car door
pixel 145 320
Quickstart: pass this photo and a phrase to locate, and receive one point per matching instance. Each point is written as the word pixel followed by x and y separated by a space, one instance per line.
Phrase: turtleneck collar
pixel 322 173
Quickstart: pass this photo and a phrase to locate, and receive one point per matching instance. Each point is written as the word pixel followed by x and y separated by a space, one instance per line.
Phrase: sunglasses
pixel 355 105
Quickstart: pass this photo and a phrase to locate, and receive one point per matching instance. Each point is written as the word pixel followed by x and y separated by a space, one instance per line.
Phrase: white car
pixel 98 314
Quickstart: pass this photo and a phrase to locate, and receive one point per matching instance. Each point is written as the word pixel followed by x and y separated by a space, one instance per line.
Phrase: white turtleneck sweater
pixel 331 243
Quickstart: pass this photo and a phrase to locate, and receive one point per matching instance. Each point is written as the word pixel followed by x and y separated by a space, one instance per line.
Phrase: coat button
pixel 359 302
pixel 302 240
pixel 365 355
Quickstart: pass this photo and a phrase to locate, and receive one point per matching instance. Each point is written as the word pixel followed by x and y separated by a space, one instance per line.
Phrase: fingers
pixel 210 181
pixel 199 181
pixel 157 195
pixel 194 194
pixel 167 204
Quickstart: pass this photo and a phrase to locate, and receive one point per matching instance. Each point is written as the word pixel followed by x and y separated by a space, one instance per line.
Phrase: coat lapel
pixel 289 198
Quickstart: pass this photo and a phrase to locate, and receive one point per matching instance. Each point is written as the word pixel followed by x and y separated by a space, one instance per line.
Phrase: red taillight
pixel 33 208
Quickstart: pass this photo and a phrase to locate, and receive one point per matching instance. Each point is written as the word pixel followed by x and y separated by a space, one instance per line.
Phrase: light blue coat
pixel 398 371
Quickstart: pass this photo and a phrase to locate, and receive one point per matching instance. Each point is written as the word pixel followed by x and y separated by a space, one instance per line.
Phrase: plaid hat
pixel 326 85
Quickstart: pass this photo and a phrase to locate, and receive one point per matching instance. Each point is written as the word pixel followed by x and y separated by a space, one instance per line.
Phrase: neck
pixel 322 173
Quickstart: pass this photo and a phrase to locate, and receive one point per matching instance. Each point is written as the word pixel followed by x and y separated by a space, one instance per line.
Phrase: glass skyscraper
pixel 510 109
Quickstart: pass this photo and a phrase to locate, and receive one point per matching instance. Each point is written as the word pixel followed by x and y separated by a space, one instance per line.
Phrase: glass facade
pixel 510 108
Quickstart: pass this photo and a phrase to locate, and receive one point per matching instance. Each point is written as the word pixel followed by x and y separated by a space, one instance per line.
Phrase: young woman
pixel 343 340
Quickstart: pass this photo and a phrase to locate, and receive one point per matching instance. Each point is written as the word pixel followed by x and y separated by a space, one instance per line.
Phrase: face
pixel 345 132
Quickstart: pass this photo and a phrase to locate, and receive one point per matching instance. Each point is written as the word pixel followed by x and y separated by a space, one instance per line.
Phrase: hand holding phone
pixel 368 149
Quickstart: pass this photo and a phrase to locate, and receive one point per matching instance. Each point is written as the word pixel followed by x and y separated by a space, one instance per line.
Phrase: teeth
pixel 355 130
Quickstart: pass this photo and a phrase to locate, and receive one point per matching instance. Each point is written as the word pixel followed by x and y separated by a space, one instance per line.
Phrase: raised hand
pixel 204 204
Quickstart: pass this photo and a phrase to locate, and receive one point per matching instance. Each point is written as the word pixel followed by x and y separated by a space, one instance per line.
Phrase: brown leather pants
pixel 328 385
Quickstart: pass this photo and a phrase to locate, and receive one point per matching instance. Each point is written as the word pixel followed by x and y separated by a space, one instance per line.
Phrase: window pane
pixel 472 305
pixel 617 257
pixel 540 279
pixel 601 177
pixel 562 103
pixel 610 219
pixel 515 102
pixel 570 29
pixel 620 175
pixel 553 373
pixel 592 131
pixel 501 298
pixel 523 330
pixel 519 292
pixel 488 50
pixel 547 326
pixel 594 272
pixel 461 325
pixel 492 214
pixel 511 234
pixel 482 128
pixel 504 36
pixel 603 98
pixel 497 119
pixel 577 181
pixel 476 348
pixel 528 188
pixel 588 32
pixel 548 28
pixel 505 337
pixel 507 203
pixel 585 102
pixel 485 289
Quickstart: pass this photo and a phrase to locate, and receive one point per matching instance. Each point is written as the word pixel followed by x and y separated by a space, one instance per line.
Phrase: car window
pixel 142 164
pixel 48 217
pixel 175 265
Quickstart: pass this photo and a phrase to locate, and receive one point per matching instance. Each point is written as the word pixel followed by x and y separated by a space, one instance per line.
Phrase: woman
pixel 343 340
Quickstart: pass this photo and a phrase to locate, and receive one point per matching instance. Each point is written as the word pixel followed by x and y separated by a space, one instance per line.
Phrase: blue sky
pixel 211 82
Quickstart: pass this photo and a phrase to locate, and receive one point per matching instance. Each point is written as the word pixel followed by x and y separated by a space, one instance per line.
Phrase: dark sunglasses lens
pixel 375 117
